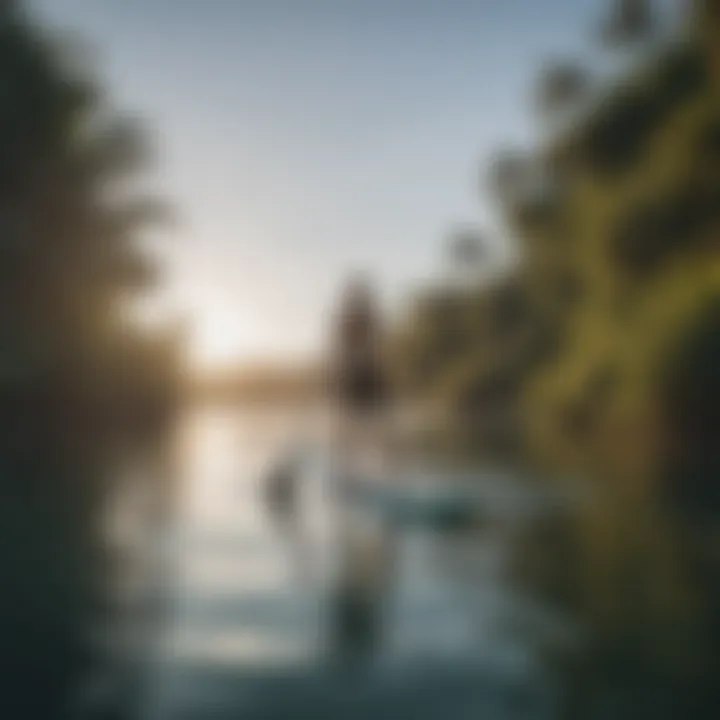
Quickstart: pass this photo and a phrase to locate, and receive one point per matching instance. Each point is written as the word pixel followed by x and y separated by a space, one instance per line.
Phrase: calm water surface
pixel 244 598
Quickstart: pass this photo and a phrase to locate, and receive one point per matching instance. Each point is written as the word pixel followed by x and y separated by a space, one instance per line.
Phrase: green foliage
pixel 598 351
pixel 77 378
pixel 630 21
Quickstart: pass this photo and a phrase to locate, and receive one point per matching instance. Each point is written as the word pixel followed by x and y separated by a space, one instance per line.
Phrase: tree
pixel 601 343
pixel 563 84
pixel 507 176
pixel 467 250
pixel 76 377
pixel 630 21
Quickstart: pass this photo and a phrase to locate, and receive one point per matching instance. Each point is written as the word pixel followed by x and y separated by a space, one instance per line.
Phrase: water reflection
pixel 244 600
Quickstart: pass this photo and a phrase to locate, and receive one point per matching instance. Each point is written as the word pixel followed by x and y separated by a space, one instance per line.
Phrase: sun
pixel 219 339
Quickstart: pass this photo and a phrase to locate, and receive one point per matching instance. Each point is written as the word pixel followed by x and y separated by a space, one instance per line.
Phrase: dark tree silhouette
pixel 562 85
pixel 508 175
pixel 467 249
pixel 76 378
pixel 629 21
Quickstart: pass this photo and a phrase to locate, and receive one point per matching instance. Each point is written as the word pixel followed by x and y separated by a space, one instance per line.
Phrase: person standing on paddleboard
pixel 360 396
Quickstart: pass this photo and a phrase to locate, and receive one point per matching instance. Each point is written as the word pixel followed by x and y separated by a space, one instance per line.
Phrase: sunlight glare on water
pixel 240 599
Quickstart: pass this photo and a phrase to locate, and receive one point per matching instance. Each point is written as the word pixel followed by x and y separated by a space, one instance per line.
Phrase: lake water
pixel 247 609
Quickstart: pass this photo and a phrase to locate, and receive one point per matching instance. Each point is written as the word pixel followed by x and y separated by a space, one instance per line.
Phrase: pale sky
pixel 300 139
